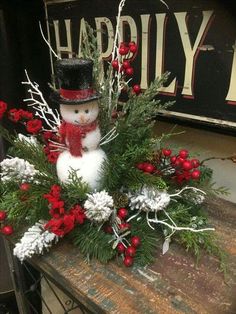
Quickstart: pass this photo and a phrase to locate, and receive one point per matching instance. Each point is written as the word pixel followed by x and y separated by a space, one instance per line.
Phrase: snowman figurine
pixel 79 129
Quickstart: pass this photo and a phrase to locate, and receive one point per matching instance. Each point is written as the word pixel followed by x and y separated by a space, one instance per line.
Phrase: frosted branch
pixel 38 102
pixel 110 136
pixel 115 53
pixel 50 47
pixel 157 221
pixel 187 188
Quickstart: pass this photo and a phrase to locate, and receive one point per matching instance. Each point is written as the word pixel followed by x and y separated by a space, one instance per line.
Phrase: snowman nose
pixel 82 119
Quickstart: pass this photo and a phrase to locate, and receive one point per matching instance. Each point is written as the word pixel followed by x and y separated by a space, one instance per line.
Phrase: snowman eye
pixel 76 111
pixel 86 111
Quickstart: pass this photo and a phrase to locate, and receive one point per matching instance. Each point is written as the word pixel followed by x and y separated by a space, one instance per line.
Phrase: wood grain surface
pixel 173 284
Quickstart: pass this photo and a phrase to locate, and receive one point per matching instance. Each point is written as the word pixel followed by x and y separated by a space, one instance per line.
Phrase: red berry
pixel 122 213
pixel 173 159
pixel 127 225
pixel 115 64
pixel 122 50
pixel 126 64
pixel 183 153
pixel 3 215
pixel 129 71
pixel 180 178
pixel 196 174
pixel 128 261
pixel 135 241
pixel 131 43
pixel 120 247
pixel 108 229
pixel 179 161
pixel 141 165
pixel 187 175
pixel 114 114
pixel 130 251
pixel 7 230
pixel 187 165
pixel 133 48
pixel 122 225
pixel 137 89
pixel 195 163
pixel 24 186
pixel 149 168
pixel 166 152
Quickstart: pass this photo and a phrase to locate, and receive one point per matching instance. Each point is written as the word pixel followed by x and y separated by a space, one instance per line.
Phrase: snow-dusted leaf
pixel 166 245
pixel 115 244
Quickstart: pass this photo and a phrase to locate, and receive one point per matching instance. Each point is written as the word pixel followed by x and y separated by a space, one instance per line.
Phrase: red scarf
pixel 72 135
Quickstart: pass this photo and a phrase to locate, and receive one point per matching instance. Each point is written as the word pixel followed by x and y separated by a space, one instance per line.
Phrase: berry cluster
pixel 62 221
pixel 185 169
pixel 4 229
pixel 33 126
pixel 147 167
pixel 50 148
pixel 178 166
pixel 128 252
pixel 16 115
pixel 123 63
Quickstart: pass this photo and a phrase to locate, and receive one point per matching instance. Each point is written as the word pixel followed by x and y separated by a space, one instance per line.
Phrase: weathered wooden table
pixel 173 284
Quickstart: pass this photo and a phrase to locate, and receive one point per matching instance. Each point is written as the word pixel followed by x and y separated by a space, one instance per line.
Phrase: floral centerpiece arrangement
pixel 92 169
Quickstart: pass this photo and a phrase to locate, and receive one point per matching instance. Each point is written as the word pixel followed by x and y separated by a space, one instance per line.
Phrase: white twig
pixel 109 140
pixel 120 238
pixel 187 188
pixel 108 133
pixel 162 1
pixel 51 118
pixel 115 53
pixel 168 217
pixel 178 228
pixel 132 217
pixel 50 47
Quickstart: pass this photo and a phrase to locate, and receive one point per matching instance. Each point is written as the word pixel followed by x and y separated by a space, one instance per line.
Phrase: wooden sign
pixel 195 40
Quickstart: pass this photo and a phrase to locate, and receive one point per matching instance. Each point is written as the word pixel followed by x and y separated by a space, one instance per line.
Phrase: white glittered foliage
pixel 99 206
pixel 31 140
pixel 17 169
pixel 149 199
pixel 35 240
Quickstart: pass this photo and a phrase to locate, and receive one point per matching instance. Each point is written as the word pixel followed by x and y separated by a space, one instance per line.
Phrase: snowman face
pixel 81 114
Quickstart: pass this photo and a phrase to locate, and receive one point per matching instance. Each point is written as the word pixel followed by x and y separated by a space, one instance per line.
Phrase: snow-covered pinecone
pixel 99 206
pixel 34 241
pixel 18 169
pixel 149 199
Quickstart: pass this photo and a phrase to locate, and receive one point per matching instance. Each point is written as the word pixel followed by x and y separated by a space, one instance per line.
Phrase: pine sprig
pixel 93 242
pixel 89 50
pixel 6 135
pixel 197 243
pixel 75 191
pixel 149 242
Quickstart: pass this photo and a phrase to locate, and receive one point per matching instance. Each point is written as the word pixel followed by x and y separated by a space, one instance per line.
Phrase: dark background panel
pixel 213 67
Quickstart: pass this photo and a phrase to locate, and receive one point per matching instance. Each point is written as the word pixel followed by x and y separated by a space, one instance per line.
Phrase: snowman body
pixel 81 135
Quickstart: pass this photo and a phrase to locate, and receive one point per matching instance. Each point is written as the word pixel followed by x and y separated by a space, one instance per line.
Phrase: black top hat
pixel 75 77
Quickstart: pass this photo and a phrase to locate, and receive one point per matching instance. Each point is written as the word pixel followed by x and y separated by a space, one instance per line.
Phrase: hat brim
pixel 57 98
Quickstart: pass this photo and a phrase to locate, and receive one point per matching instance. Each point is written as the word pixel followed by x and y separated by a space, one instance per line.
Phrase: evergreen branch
pixel 6 135
pixel 149 241
pixel 93 242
